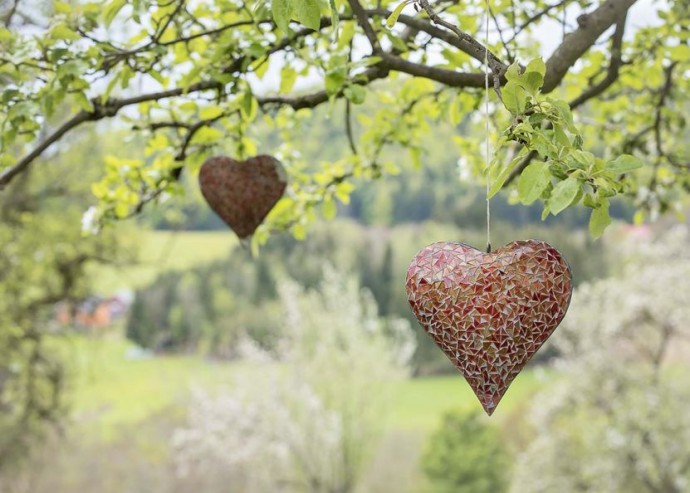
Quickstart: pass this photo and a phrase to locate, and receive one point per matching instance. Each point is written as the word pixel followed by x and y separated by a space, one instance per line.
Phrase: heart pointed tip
pixel 489 410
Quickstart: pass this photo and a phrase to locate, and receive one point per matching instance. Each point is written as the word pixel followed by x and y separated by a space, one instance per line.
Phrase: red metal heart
pixel 242 193
pixel 489 312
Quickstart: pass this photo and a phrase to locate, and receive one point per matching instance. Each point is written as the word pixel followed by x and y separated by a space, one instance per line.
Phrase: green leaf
pixel 335 18
pixel 61 31
pixel 282 12
pixel 563 194
pixel 62 7
pixel 537 65
pixel 514 98
pixel 599 219
pixel 347 32
pixel 249 106
pixel 5 34
pixel 329 208
pixel 207 135
pixel 416 157
pixel 585 158
pixel 210 112
pixel 335 80
pixel 393 18
pixel 343 191
pixel 623 164
pixel 639 217
pixel 307 12
pixel 560 136
pixel 83 102
pixel 111 11
pixel 513 72
pixel 545 212
pixel 355 93
pixel 533 181
pixel 532 81
pixel 562 109
pixel 288 76
pixel 20 111
pixel 299 231
pixel 498 181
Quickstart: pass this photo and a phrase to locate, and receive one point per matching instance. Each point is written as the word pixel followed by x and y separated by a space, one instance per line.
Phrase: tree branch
pixel 463 41
pixel 575 44
pixel 363 20
pixel 614 66
pixel 7 21
pixel 447 77
pixel 536 17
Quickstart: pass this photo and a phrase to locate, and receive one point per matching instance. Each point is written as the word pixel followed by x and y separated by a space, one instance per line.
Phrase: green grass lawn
pixel 115 386
pixel 164 250
pixel 418 404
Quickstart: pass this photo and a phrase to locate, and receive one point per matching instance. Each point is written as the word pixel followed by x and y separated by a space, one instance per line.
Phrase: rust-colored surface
pixel 489 312
pixel 242 193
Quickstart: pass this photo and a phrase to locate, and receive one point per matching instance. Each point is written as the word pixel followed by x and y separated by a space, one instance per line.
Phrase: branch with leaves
pixel 187 59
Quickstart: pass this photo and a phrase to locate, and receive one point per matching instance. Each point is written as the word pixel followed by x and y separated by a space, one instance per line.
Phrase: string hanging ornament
pixel 489 312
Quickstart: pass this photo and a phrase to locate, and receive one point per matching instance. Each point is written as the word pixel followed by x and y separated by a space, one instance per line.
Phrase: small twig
pixel 495 65
pixel 535 18
pixel 348 127
pixel 509 54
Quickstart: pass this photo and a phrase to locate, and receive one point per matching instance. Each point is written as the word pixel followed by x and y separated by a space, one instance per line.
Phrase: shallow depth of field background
pixel 185 363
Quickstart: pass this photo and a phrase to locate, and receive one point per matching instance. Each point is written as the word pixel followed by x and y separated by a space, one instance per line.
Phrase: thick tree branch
pixel 577 43
pixel 312 100
pixel 447 77
pixel 9 173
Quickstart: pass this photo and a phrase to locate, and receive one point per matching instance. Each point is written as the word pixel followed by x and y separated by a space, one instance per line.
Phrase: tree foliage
pixel 43 261
pixel 466 455
pixel 195 78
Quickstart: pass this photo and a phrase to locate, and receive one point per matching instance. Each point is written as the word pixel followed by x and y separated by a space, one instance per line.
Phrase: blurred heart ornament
pixel 489 312
pixel 242 193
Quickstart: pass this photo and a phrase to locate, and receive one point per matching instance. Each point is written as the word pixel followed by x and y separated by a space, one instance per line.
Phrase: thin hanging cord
pixel 486 141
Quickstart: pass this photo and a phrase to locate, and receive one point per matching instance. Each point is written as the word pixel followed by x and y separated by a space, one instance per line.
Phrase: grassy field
pixel 159 251
pixel 116 384
pixel 419 403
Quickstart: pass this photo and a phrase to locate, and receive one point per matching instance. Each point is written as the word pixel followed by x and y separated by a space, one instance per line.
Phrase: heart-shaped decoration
pixel 489 312
pixel 242 193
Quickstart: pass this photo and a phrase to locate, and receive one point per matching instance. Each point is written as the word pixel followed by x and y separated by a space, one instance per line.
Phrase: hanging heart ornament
pixel 489 312
pixel 242 193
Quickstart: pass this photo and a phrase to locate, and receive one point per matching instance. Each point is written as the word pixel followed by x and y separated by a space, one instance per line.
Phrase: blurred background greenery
pixel 175 360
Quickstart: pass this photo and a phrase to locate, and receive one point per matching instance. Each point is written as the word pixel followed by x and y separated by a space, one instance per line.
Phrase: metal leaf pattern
pixel 242 193
pixel 489 312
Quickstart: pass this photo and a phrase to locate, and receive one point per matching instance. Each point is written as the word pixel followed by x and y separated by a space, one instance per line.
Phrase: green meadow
pixel 116 385
pixel 158 251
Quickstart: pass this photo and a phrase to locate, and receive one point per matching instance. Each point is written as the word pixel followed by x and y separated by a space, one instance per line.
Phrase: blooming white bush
pixel 619 421
pixel 306 417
